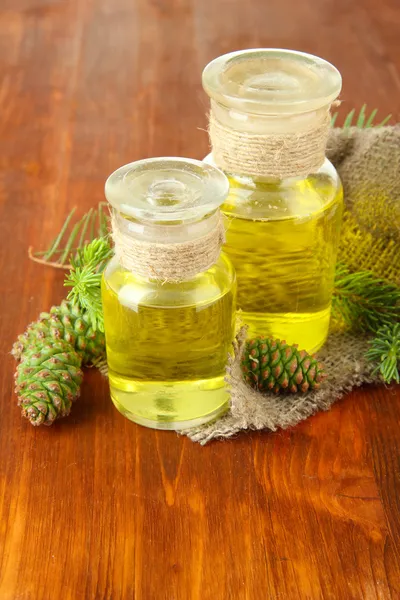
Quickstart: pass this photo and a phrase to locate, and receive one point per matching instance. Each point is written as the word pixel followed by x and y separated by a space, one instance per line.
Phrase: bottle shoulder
pixel 204 288
pixel 329 170
pixel 262 198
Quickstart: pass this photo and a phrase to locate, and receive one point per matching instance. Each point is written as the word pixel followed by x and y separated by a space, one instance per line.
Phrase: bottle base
pixel 308 330
pixel 174 405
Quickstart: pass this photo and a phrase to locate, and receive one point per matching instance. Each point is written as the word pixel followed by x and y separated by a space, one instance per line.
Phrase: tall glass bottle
pixel 168 294
pixel 268 128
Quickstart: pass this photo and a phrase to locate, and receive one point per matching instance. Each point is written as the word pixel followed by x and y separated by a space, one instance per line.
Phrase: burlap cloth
pixel 368 161
pixel 343 358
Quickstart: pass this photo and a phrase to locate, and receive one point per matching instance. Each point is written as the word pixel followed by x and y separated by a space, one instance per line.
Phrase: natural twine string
pixel 268 155
pixel 173 262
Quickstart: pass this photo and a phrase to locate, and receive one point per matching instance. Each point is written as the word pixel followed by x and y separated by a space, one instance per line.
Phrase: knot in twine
pixel 168 262
pixel 269 155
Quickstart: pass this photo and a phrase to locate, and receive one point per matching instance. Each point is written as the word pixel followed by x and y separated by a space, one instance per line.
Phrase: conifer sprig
pixel 72 237
pixel 385 352
pixel 364 302
pixel 361 120
pixel 84 279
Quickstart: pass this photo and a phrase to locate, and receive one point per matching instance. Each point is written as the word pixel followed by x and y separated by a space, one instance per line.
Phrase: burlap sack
pixel 368 161
pixel 343 358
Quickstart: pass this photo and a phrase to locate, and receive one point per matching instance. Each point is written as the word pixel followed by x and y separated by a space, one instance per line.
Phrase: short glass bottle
pixel 168 340
pixel 283 230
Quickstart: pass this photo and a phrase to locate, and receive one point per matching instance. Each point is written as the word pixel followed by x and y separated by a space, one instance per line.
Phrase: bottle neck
pixel 273 146
pixel 269 124
pixel 173 252
pixel 161 233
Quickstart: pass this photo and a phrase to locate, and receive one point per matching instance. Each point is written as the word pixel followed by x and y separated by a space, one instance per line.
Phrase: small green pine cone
pixel 48 380
pixel 66 322
pixel 269 364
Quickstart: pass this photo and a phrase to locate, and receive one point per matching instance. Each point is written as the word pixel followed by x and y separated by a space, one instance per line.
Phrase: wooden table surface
pixel 99 508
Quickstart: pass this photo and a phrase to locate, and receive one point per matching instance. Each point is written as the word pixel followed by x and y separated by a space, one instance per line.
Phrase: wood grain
pixel 96 507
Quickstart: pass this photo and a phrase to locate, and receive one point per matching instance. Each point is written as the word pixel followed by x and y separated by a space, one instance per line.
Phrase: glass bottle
pixel 168 340
pixel 283 230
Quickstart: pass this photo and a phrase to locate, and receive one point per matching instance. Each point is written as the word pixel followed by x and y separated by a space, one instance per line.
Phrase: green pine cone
pixel 48 380
pixel 269 364
pixel 66 322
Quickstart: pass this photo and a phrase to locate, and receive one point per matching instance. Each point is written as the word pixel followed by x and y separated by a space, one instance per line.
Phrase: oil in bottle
pixel 285 254
pixel 167 340
pixel 269 124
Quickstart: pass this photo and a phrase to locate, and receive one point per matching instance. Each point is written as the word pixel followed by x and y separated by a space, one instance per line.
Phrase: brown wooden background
pixel 96 507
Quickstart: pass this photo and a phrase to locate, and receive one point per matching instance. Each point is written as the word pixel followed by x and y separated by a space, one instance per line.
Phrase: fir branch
pixel 361 119
pixel 349 118
pixel 364 302
pixel 333 119
pixel 385 351
pixel 102 222
pixel 371 118
pixel 72 237
pixel 55 244
pixel 70 242
pixel 38 258
pixel 85 279
pixel 85 222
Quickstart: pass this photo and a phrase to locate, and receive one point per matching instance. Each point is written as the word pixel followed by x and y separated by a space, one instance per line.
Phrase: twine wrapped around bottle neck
pixel 269 154
pixel 168 262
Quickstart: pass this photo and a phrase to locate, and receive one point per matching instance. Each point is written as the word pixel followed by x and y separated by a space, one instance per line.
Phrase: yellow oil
pixel 167 345
pixel 282 238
